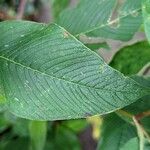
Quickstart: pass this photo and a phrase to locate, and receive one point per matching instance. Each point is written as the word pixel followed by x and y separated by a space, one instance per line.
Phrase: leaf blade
pixel 115 132
pixel 97 19
pixel 50 75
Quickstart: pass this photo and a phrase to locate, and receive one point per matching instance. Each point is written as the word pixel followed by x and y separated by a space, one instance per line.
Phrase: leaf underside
pixel 47 74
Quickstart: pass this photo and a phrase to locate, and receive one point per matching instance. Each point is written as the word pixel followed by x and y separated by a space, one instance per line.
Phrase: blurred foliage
pixel 62 139
pixel 97 46
pixel 129 60
pixel 115 133
pixel 58 6
pixel 75 125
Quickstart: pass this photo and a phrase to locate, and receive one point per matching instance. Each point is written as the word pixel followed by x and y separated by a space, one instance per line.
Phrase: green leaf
pixel 20 127
pixel 58 6
pixel 3 123
pixel 3 106
pixel 142 104
pixel 115 133
pixel 131 145
pixel 146 17
pixel 38 131
pixel 97 46
pixel 105 18
pixel 63 139
pixel 75 125
pixel 17 144
pixel 129 60
pixel 147 145
pixel 47 74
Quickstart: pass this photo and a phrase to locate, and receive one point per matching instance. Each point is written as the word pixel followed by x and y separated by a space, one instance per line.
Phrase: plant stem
pixel 38 130
pixel 21 9
pixel 140 133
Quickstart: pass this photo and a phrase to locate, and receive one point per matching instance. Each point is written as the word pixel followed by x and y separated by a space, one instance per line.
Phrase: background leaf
pixel 115 133
pixel 142 104
pixel 146 16
pixel 129 60
pixel 109 19
pixel 58 6
pixel 63 139
pixel 131 144
pixel 38 132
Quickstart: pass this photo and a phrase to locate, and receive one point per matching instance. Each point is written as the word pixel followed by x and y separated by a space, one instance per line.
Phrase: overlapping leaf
pixel 105 18
pixel 143 104
pixel 115 133
pixel 47 74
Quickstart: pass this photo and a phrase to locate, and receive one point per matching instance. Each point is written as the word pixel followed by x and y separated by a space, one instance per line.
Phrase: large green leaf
pixel 47 74
pixel 146 17
pixel 131 59
pixel 105 18
pixel 115 133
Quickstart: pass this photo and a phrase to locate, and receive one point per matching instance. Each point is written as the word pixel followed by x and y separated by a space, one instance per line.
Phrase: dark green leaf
pixel 131 59
pixel 47 74
pixel 63 139
pixel 17 144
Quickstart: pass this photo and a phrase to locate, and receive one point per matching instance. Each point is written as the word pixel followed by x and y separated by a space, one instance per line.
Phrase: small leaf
pixel 47 74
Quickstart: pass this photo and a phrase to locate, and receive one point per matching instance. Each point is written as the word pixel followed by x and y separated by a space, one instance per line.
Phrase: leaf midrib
pixel 43 73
